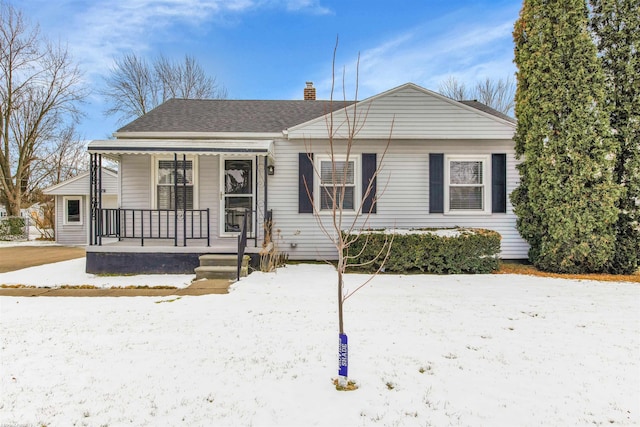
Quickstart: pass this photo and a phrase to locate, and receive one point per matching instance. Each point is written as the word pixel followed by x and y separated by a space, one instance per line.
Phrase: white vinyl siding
pixel 418 122
pixel 138 188
pixel 208 192
pixel 410 113
pixel 403 195
pixel 135 175
pixel 78 188
pixel 75 233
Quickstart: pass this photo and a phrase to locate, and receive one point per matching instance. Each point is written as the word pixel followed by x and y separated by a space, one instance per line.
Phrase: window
pixel 466 179
pixel 72 211
pixel 168 176
pixel 340 176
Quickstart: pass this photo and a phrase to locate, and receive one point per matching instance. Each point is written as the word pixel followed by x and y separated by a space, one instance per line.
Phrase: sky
pixel 268 49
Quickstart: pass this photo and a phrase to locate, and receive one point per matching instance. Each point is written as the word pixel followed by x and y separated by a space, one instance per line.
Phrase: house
pixel 72 209
pixel 192 171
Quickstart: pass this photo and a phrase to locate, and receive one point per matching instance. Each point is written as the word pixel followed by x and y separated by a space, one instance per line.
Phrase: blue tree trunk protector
pixel 343 356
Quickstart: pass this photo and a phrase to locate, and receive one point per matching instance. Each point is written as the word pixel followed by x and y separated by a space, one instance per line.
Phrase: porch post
pixel 99 216
pixel 184 199
pixel 95 198
pixel 254 215
pixel 92 192
pixel 175 199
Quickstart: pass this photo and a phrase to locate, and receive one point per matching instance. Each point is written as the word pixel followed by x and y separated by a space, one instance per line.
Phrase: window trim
pixel 486 183
pixel 357 182
pixel 154 179
pixel 65 219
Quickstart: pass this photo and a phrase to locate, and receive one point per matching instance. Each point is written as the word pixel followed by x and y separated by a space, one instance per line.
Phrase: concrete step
pixel 221 260
pixel 219 272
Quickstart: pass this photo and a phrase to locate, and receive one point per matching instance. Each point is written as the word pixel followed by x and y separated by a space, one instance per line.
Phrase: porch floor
pixel 218 246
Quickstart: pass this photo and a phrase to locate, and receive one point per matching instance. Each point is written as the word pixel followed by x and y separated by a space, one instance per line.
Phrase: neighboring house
pixel 191 170
pixel 72 209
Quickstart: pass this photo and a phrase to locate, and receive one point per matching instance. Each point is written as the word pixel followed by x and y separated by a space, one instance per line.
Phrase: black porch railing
pixel 144 224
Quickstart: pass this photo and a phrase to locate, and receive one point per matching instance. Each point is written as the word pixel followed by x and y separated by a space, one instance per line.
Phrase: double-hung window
pixel 337 183
pixel 466 188
pixel 168 194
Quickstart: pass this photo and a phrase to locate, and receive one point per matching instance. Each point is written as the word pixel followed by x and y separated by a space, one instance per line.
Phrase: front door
pixel 238 195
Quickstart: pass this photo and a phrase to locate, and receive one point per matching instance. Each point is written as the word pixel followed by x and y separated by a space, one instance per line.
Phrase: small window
pixel 334 178
pixel 467 190
pixel 72 211
pixel 171 173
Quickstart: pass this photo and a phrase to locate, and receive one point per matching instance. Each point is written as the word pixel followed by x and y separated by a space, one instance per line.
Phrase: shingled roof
pixel 482 107
pixel 221 115
pixel 260 116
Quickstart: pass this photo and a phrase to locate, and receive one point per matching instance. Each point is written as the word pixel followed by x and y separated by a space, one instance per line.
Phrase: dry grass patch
pixel 520 268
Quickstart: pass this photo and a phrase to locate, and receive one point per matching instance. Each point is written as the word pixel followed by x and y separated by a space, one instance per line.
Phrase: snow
pixel 442 232
pixel 497 350
pixel 72 273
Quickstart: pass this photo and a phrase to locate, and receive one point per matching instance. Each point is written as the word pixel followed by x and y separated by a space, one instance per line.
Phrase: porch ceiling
pixel 185 146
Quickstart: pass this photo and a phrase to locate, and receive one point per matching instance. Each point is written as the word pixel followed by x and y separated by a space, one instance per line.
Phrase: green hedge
pixel 12 227
pixel 449 251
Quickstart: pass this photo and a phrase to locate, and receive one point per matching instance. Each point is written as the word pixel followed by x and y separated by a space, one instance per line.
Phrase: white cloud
pixel 100 30
pixel 104 29
pixel 311 6
pixel 426 55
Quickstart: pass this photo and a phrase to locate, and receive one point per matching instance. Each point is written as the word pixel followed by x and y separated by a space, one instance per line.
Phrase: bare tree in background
pixel 454 89
pixel 65 157
pixel 40 88
pixel 497 94
pixel 186 80
pixel 134 87
pixel 347 222
pixel 62 158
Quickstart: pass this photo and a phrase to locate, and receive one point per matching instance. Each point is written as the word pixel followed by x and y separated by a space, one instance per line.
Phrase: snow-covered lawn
pixel 72 273
pixel 425 350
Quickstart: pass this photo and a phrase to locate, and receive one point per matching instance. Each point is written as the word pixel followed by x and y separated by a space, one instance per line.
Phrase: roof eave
pixel 197 135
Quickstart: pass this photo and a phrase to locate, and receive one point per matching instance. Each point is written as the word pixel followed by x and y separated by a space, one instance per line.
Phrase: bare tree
pixel 64 157
pixel 454 89
pixel 348 221
pixel 497 94
pixel 186 80
pixel 134 86
pixel 40 88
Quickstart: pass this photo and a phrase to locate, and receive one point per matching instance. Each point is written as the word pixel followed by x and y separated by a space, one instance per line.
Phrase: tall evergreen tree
pixel 616 25
pixel 566 200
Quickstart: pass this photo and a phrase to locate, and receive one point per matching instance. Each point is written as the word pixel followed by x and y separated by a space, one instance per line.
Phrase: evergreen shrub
pixel 448 251
pixel 12 228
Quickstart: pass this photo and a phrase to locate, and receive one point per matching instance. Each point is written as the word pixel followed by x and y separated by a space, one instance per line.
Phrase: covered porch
pixel 179 199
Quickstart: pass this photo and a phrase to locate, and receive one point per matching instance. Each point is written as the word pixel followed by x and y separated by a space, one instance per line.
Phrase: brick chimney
pixel 309 92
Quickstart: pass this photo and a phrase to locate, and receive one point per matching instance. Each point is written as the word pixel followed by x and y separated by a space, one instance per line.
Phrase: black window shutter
pixel 436 183
pixel 305 181
pixel 369 167
pixel 499 183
